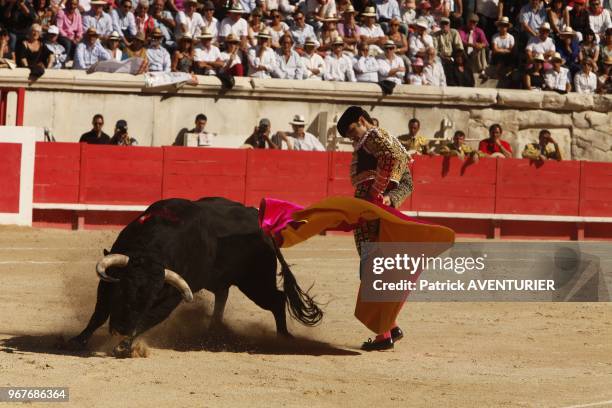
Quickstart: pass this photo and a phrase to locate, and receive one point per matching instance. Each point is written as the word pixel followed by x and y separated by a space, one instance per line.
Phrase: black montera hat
pixel 351 115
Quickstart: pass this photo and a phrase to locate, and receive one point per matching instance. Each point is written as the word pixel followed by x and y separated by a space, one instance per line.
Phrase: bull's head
pixel 138 281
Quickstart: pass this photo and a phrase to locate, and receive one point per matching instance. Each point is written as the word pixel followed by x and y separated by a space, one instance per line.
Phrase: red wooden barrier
pixel 10 171
pixel 596 189
pixel 57 172
pixel 524 187
pixel 450 185
pixel 300 177
pixel 193 173
pixel 120 175
pixel 339 180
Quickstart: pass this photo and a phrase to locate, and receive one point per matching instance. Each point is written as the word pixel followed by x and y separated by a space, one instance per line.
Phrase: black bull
pixel 178 247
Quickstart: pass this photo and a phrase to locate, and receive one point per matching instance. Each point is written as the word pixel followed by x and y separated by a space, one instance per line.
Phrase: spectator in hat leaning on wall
pixel 299 139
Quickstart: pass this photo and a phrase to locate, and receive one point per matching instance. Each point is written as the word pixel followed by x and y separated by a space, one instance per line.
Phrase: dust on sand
pixel 469 354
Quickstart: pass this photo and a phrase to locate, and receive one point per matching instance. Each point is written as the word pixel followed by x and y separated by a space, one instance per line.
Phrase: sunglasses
pixel 276 16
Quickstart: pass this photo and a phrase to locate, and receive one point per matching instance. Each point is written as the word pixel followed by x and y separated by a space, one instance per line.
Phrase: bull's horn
pixel 178 282
pixel 108 261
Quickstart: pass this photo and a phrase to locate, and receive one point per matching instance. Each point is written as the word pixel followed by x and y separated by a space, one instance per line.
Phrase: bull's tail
pixel 302 307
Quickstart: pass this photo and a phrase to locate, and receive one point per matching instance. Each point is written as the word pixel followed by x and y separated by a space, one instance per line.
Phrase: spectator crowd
pixel 558 45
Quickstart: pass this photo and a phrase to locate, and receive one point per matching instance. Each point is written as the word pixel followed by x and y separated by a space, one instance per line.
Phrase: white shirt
pixel 207 55
pixel 313 6
pixel 503 43
pixel 585 84
pixel 225 56
pixel 308 143
pixel 557 80
pixel 366 69
pixel 276 35
pixel 103 25
pixel 537 46
pixel 599 24
pixel 59 52
pixel 384 66
pixel 240 28
pixel 194 24
pixel 434 74
pixel 339 69
pixel 314 61
pixel 301 34
pixel 267 60
pixel 387 9
pixel 212 26
pixel 409 16
pixel 415 79
pixel 291 68
pixel 416 43
pixel 159 59
pixel 371 32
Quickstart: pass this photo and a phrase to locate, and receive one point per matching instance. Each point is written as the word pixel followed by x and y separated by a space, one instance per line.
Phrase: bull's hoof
pixel 74 344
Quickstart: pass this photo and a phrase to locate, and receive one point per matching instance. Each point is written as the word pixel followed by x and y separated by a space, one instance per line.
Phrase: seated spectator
pixel 262 58
pixel 121 136
pixel 260 138
pixel 17 18
pixel 502 48
pixel 434 72
pixel 605 79
pixel 316 10
pixel 300 139
pixel 425 15
pixel 277 29
pixel 113 47
pixel 545 149
pixel 579 18
pixel 234 23
pixel 314 66
pixel 289 62
pixel 569 49
pixel 164 20
pixel 542 44
pixel 90 51
pixel 365 66
pixel 96 135
pixel 256 26
pixel 6 52
pixel 300 30
pixel 386 10
pixel 458 74
pixel 599 19
pixel 371 33
pixel 458 148
pixel 487 11
pixel 183 58
pixel 446 41
pixel 558 16
pixel 391 66
pixel 419 40
pixel 144 22
pixel 189 21
pixel 534 76
pixel 124 22
pixel 409 14
pixel 232 64
pixel 338 67
pixel 531 17
pixel 328 33
pixel 411 141
pixel 204 138
pixel 400 40
pixel 349 30
pixel 56 49
pixel 98 19
pixel 137 49
pixel 207 57
pixel 209 20
pixel 158 56
pixel 247 5
pixel 440 9
pixel 495 146
pixel 70 26
pixel 558 78
pixel 588 47
pixel 32 53
pixel 585 81
pixel 475 45
pixel 606 47
pixel 417 77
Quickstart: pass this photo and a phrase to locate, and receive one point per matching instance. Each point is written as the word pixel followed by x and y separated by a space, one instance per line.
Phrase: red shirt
pixel 489 147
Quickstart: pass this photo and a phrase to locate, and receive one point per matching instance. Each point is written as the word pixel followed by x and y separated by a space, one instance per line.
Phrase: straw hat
pixel 369 12
pixel 206 34
pixel 557 57
pixel 504 21
pixel 567 31
pixel 298 120
pixel 264 34
pixel 539 57
pixel 231 38
pixel 338 41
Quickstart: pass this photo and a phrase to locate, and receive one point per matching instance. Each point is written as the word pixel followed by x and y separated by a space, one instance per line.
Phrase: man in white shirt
pixel 207 57
pixel 124 21
pixel 316 10
pixel 542 44
pixel 419 41
pixel 599 19
pixel 234 23
pixel 558 78
pixel 98 19
pixel 585 81
pixel 210 22
pixel 158 57
pixel 386 10
pixel 262 58
pixel 90 51
pixel 391 67
pixel 314 66
pixel 433 72
pixel 338 67
pixel 189 21
pixel 300 31
pixel 371 33
pixel 299 139
pixel 58 50
pixel 532 16
pixel 290 65
pixel 365 65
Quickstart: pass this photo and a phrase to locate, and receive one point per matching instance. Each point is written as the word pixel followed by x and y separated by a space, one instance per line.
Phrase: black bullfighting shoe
pixel 377 345
pixel 397 334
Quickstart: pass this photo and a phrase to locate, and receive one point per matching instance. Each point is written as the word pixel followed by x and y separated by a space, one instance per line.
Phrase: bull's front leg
pixel 98 318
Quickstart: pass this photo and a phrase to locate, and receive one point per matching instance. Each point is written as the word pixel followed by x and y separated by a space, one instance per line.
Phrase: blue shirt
pixel 85 56
pixel 159 59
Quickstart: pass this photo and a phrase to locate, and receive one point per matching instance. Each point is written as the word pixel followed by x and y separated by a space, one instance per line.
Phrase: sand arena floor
pixel 466 355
